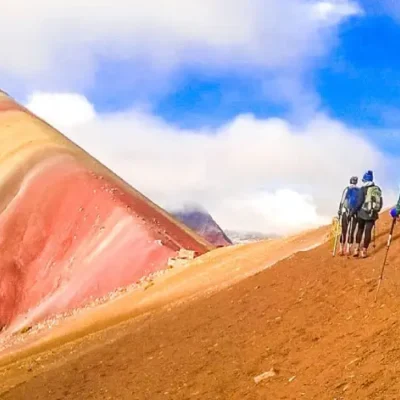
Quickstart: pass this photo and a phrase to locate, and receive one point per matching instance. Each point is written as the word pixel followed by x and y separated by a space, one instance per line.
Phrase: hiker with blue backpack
pixel 348 216
pixel 369 205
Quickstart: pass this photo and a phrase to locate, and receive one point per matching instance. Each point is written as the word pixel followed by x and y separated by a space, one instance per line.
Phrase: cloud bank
pixel 52 45
pixel 251 174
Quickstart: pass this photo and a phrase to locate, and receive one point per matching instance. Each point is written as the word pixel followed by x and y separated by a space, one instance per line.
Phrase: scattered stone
pixel 341 385
pixel 181 258
pixel 176 262
pixel 186 254
pixel 149 285
pixel 292 379
pixel 269 374
pixel 351 362
pixel 25 329
pixel 17 336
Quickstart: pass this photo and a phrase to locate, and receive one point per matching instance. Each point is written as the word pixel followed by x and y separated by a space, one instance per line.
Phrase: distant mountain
pixel 199 220
pixel 241 237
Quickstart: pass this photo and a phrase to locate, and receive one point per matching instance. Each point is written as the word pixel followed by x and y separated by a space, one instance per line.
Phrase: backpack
pixel 351 199
pixel 373 200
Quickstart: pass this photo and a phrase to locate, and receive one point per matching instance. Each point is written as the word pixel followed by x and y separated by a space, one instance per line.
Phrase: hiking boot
pixel 356 251
pixel 364 253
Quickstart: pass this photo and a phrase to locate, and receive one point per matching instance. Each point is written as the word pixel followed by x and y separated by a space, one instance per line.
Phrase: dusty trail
pixel 311 317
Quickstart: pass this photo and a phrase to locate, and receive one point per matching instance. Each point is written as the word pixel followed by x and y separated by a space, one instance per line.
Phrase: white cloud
pixel 60 44
pixel 61 109
pixel 278 212
pixel 334 12
pixel 251 174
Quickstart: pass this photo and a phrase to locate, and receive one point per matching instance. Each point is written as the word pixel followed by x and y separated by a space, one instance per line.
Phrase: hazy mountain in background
pixel 198 219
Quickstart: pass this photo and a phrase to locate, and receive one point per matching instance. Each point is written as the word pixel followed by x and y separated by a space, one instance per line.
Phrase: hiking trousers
pixel 364 228
pixel 346 220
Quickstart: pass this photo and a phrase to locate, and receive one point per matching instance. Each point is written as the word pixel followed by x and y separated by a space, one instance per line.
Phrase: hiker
pixel 369 205
pixel 347 215
pixel 395 211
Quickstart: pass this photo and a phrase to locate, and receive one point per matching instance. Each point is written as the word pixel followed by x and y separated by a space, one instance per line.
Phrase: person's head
pixel 368 177
pixel 353 180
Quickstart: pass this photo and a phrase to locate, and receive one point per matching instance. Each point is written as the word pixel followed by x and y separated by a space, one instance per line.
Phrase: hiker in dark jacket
pixel 368 207
pixel 347 215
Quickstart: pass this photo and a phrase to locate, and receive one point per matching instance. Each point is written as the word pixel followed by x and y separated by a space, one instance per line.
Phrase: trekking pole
pixel 337 233
pixel 340 221
pixel 386 255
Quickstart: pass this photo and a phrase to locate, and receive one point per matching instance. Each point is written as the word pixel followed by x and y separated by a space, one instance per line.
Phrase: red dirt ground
pixel 310 317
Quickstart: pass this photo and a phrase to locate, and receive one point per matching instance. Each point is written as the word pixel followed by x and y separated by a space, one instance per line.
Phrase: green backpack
pixel 373 200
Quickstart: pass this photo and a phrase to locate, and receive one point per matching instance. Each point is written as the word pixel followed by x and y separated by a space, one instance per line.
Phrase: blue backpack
pixel 351 200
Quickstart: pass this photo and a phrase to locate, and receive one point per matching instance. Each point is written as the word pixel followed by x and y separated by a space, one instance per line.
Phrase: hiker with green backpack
pixel 369 205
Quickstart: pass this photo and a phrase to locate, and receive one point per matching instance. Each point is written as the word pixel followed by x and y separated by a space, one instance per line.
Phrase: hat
pixel 353 180
pixel 368 176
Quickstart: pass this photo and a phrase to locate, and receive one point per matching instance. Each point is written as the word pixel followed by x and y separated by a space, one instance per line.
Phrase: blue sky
pixel 357 82
pixel 360 80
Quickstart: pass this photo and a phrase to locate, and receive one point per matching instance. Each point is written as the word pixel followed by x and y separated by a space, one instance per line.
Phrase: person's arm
pixel 398 206
pixel 360 200
pixel 395 211
pixel 344 194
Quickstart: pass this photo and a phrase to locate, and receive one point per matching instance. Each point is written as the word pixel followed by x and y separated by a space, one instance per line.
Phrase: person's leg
pixel 344 233
pixel 360 231
pixel 367 237
pixel 353 228
pixel 351 232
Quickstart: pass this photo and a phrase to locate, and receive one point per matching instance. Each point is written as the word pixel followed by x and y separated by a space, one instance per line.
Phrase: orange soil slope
pixel 70 230
pixel 310 317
